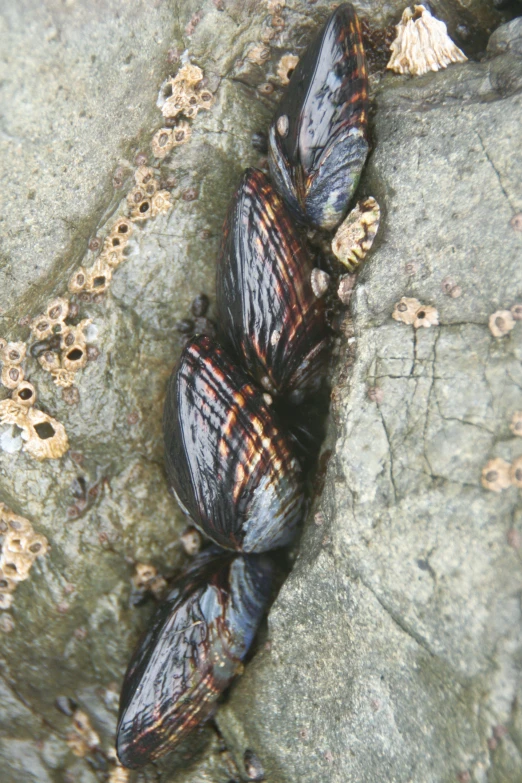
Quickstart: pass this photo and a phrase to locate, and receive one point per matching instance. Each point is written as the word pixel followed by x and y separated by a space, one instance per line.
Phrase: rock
pixel 79 89
pixel 394 645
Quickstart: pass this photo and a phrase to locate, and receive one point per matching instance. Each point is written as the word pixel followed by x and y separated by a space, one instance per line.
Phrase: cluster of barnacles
pixel 145 200
pixel 411 311
pixel 258 51
pixel 69 352
pixel 43 437
pixel 19 548
pixel 180 95
pixel 60 346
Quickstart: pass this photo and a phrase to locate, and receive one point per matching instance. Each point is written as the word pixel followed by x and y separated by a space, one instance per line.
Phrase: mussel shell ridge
pixel 228 462
pixel 317 162
pixel 191 652
pixel 266 306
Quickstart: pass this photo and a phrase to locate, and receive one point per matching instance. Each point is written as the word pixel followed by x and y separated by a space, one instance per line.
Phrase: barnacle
pixel 118 237
pixel 145 180
pixel 139 203
pixel 422 44
pixel 161 203
pixel 57 311
pixel 501 322
pixel 63 378
pixel 411 311
pixel 20 546
pixel 162 142
pixel 24 394
pixel 258 54
pixel 112 257
pixel 356 234
pixel 13 353
pixel 516 423
pixel 11 376
pixel 78 281
pixel 41 327
pixel 99 276
pixel 496 475
pixel 426 316
pixel 49 361
pixel 405 310
pixel 286 67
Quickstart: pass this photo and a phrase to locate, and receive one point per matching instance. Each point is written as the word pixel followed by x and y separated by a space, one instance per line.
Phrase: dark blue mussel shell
pixel 267 310
pixel 228 462
pixel 191 652
pixel 318 141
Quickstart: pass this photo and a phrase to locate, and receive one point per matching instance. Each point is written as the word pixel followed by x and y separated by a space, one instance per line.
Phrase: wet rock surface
pixel 392 651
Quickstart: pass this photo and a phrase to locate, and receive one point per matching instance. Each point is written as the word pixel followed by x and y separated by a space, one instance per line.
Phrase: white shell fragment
pixel 320 281
pixel 422 44
pixel 356 233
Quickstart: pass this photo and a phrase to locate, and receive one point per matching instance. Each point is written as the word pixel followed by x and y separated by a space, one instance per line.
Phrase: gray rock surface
pixel 393 645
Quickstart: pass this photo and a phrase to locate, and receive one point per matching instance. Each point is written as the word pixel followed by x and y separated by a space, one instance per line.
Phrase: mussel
pixel 267 310
pixel 228 462
pixel 318 141
pixel 191 652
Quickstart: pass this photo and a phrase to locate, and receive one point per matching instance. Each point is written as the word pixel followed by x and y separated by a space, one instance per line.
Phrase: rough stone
pixel 78 92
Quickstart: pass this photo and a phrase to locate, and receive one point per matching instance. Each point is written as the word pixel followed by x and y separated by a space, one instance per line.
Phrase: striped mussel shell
pixel 267 310
pixel 318 141
pixel 228 462
pixel 192 650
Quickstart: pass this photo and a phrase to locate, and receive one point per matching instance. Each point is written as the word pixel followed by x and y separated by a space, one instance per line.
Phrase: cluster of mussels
pixel 236 417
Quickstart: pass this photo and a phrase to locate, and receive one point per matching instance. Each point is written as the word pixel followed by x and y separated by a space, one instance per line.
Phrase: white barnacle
pixel 422 44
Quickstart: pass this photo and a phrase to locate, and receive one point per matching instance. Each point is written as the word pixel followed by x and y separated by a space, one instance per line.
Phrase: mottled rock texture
pixel 394 645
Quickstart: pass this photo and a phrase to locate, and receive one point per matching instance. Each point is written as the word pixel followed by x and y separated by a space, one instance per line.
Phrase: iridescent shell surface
pixel 318 141
pixel 228 462
pixel 191 652
pixel 266 307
